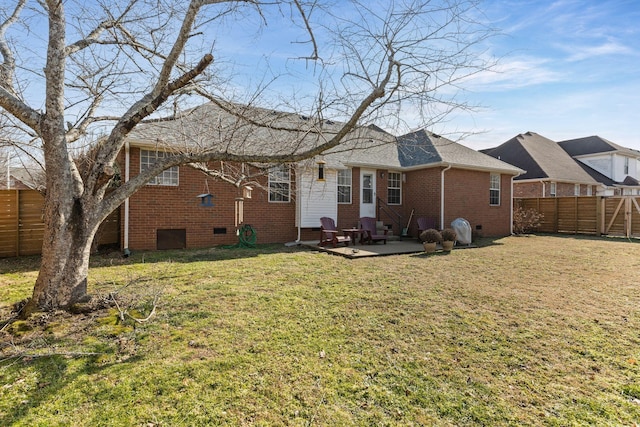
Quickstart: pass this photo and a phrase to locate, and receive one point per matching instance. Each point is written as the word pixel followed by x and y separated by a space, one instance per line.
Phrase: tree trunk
pixel 62 280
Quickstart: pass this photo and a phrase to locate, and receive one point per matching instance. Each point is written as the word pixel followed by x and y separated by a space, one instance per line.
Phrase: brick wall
pixel 528 189
pixel 422 193
pixel 467 196
pixel 534 189
pixel 156 207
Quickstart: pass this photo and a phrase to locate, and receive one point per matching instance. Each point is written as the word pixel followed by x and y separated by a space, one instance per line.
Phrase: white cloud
pixel 587 52
pixel 514 73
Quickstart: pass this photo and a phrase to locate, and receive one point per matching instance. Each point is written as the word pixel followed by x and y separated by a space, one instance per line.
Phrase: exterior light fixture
pixel 321 164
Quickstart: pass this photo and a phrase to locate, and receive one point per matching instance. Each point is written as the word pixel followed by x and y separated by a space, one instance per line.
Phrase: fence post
pixel 556 215
pixel 600 215
pixel 627 217
pixel 575 204
pixel 17 222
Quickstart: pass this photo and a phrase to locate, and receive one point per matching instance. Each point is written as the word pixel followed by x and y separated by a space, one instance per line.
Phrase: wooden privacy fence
pixel 619 216
pixel 22 225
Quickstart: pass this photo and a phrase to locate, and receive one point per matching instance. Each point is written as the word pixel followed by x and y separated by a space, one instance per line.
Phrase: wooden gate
pixel 621 216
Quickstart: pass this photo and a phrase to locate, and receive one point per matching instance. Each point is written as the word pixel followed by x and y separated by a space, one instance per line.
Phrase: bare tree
pixel 106 67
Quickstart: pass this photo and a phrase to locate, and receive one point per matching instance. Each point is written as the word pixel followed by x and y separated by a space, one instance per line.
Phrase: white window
pixel 344 185
pixel 279 184
pixel 576 189
pixel 626 166
pixel 552 189
pixel 394 188
pixel 589 190
pixel 494 189
pixel 167 177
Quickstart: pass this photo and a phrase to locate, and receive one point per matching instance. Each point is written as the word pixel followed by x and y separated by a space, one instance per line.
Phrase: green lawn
pixel 537 330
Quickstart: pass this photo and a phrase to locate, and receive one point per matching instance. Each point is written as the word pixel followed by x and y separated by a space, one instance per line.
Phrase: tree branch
pixel 8 67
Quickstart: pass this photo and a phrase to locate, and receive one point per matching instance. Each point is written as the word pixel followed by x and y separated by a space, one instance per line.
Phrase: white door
pixel 367 193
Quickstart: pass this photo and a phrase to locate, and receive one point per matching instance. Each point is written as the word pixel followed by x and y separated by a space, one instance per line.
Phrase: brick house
pixel 550 170
pixel 371 174
pixel 608 163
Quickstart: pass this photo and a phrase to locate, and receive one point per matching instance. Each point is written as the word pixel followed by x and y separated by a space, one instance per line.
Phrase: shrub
pixel 448 235
pixel 430 236
pixel 526 220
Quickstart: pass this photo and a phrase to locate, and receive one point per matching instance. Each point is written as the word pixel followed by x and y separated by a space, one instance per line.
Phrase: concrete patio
pixel 393 247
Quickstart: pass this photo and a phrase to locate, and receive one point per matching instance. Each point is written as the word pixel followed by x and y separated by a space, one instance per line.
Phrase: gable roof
pixel 593 145
pixel 599 177
pixel 541 157
pixel 213 127
pixel 424 148
pixel 266 132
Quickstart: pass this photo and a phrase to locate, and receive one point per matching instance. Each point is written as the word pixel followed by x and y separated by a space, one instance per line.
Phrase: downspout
pixel 126 201
pixel 442 196
pixel 543 188
pixel 298 207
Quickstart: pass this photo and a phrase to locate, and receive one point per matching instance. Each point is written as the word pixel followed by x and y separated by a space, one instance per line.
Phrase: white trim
pixel 499 189
pixel 272 171
pixel 368 209
pixel 166 177
pixel 338 185
pixel 528 181
pixel 395 188
pixel 515 171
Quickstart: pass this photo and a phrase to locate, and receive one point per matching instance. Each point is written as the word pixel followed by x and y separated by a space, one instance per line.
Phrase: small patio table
pixel 354 233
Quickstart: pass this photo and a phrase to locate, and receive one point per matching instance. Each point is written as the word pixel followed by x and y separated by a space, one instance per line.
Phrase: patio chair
pixel 329 233
pixel 425 223
pixel 370 231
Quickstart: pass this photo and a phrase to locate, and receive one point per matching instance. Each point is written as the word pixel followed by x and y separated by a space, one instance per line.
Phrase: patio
pixel 393 247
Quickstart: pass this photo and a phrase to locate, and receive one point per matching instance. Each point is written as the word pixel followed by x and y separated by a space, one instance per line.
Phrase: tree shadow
pixel 53 374
pixel 55 368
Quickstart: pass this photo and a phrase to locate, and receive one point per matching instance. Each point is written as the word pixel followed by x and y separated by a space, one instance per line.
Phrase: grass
pixel 537 330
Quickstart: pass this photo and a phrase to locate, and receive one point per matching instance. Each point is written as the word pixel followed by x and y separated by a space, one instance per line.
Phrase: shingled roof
pixel 424 148
pixel 542 158
pixel 593 145
pixel 247 130
pixel 218 127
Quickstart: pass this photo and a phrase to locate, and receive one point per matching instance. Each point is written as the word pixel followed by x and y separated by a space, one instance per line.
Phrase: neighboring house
pixel 371 174
pixel 21 179
pixel 619 166
pixel 550 171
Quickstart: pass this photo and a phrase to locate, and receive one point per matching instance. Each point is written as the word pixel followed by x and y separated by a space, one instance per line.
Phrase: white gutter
pixel 442 196
pixel 126 201
pixel 298 207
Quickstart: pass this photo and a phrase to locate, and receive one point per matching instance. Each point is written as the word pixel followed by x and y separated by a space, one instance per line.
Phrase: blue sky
pixel 568 69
